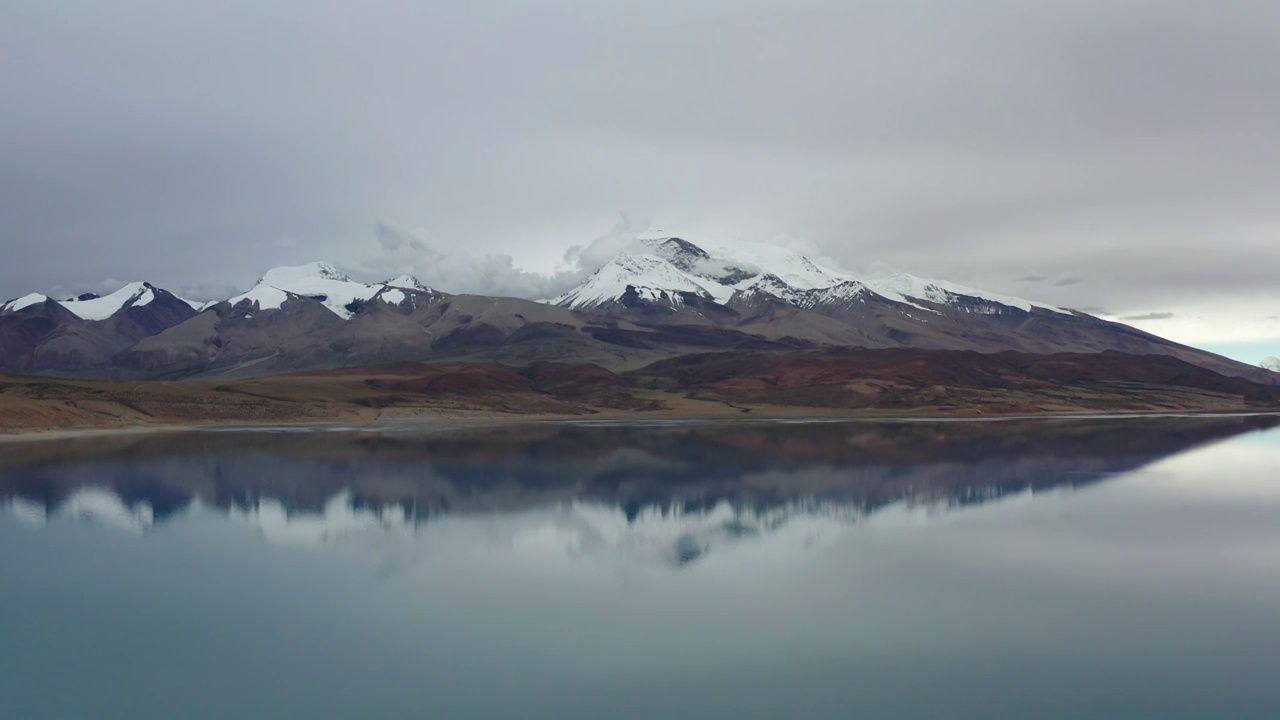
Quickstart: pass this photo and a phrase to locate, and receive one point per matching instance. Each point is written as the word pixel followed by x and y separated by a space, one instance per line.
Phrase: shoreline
pixel 478 420
pixel 32 408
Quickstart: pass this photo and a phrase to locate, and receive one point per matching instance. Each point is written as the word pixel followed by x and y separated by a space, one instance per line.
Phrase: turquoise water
pixel 1046 568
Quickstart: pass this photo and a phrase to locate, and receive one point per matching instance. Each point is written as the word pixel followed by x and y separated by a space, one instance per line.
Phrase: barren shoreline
pixel 480 420
pixel 488 393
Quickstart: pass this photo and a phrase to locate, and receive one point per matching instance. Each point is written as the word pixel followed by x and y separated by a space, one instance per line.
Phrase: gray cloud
pixel 1033 276
pixel 1068 278
pixel 390 237
pixel 1150 316
pixel 397 249
pixel 1136 142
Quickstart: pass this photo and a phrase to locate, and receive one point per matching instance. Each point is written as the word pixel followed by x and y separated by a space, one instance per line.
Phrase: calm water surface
pixel 1047 568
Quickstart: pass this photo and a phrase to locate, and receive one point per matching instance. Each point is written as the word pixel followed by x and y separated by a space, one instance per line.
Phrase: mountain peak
pixel 24 301
pixel 288 274
pixel 653 277
pixel 407 282
pixel 100 308
pixel 322 282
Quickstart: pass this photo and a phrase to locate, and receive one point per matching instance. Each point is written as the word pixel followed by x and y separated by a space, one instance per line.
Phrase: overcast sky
pixel 1119 156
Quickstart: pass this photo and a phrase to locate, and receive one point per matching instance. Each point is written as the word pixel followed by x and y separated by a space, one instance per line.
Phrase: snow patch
pixel 719 271
pixel 407 282
pixel 104 307
pixel 942 292
pixel 318 280
pixel 323 282
pixel 290 274
pixel 653 278
pixel 24 301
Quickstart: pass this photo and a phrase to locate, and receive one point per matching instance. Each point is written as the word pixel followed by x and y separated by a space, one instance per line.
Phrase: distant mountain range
pixel 666 297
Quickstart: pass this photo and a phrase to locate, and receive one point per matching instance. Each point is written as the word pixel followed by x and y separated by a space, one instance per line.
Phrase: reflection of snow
pixel 590 532
pixel 340 520
pixel 26 511
pixel 570 533
pixel 596 534
pixel 103 507
pixel 674 537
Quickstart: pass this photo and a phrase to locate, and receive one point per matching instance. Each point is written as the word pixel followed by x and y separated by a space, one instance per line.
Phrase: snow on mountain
pixel 101 308
pixel 24 301
pixel 753 259
pixel 658 268
pixel 325 283
pixel 652 277
pixel 667 265
pixel 664 265
pixel 942 292
pixel 844 292
pixel 134 294
pixel 1271 363
pixel 771 285
pixel 318 280
pixel 407 282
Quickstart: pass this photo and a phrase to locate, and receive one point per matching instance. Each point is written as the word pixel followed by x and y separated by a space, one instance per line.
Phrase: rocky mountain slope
pixel 665 297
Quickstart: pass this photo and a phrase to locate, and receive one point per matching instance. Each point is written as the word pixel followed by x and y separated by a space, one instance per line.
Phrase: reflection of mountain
pixel 688 485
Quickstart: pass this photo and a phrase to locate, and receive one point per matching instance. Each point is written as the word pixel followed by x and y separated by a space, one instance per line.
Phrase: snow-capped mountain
pixel 1271 363
pixel 320 281
pixel 90 306
pixel 135 294
pixel 666 269
pixel 23 302
pixel 664 296
pixel 647 277
pixel 323 282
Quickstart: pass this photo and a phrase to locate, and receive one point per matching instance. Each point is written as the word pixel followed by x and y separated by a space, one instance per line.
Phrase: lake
pixel 1044 568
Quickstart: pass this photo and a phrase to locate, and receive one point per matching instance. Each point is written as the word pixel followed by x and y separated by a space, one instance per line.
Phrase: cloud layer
pixel 1128 150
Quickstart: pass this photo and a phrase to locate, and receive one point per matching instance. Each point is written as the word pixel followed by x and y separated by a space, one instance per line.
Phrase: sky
pixel 1117 156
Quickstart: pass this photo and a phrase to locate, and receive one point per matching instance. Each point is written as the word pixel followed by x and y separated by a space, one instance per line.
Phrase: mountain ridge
pixel 662 297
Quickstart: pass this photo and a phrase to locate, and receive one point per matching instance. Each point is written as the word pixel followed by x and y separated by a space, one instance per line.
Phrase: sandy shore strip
pixel 445 422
